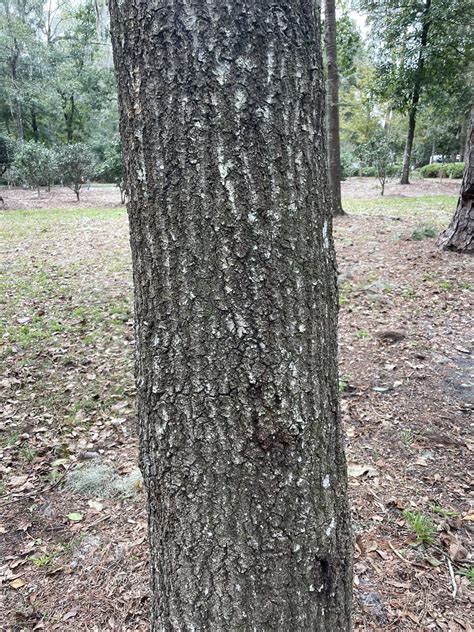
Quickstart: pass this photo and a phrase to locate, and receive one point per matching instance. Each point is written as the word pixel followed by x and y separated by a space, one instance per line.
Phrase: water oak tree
pixel 460 233
pixel 222 110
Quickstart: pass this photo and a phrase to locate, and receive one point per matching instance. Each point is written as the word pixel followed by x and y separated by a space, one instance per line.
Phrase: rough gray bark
pixel 460 233
pixel 334 143
pixel 222 110
pixel 415 99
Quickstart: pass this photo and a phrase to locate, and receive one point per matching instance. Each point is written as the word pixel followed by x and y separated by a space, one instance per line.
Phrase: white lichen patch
pixel 330 529
pixel 102 481
pixel 222 71
pixel 325 234
pixel 240 98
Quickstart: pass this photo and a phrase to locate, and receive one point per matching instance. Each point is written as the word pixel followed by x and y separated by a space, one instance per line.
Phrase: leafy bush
pixel 379 153
pixel 455 169
pixel 446 170
pixel 6 154
pixel 424 232
pixel 431 171
pixel 369 172
pixel 394 169
pixel 348 163
pixel 76 164
pixel 34 164
pixel 111 168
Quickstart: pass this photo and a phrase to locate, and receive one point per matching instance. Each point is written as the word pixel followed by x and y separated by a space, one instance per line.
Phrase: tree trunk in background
pixel 241 446
pixel 34 123
pixel 416 95
pixel 460 233
pixel 17 110
pixel 410 138
pixel 334 143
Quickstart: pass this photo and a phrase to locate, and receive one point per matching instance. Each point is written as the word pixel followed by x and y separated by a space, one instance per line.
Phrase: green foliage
pixel 35 164
pixel 378 152
pixel 76 164
pixel 6 154
pixel 446 170
pixel 431 171
pixel 407 437
pixel 421 525
pixel 424 232
pixel 396 31
pixel 348 42
pixel 469 573
pixel 455 170
pixel 348 163
pixel 57 76
pixel 445 513
pixel 422 54
pixel 111 168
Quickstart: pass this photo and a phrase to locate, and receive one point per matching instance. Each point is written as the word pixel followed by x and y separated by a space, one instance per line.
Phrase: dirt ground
pixel 107 195
pixel 73 550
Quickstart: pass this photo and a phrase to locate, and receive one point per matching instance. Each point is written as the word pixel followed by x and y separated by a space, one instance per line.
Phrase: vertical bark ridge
pixel 222 109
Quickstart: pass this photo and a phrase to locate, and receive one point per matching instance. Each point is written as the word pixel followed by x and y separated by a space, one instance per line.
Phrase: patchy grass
pixel 67 381
pixel 421 526
pixel 433 209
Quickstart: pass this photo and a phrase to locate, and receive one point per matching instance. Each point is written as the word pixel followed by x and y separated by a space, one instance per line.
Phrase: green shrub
pixel 431 171
pixel 394 169
pixel 76 163
pixel 446 170
pixel 424 232
pixel 35 164
pixel 348 163
pixel 6 154
pixel 455 169
pixel 111 168
pixel 370 171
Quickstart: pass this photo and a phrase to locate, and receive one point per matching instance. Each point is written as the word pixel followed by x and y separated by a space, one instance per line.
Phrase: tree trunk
pixel 460 233
pixel 69 114
pixel 241 448
pixel 34 123
pixel 334 143
pixel 416 95
pixel 17 107
pixel 409 142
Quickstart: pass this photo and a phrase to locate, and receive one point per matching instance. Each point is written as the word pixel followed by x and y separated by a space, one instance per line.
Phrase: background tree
pixel 76 164
pixel 334 143
pixel 235 294
pixel 57 71
pixel 460 233
pixel 33 164
pixel 378 151
pixel 6 154
pixel 422 50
